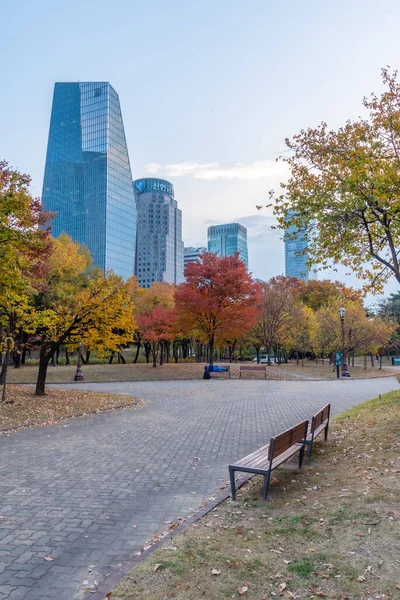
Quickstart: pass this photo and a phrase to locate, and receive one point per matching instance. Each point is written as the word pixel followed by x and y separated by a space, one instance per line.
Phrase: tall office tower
pixel 88 179
pixel 159 246
pixel 225 240
pixel 295 253
pixel 191 254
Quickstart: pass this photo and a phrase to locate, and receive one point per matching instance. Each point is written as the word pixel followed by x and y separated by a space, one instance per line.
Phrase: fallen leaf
pixel 361 578
pixel 287 562
pixel 215 572
pixel 242 590
pixel 281 586
pixel 156 567
pixel 108 596
pixel 48 558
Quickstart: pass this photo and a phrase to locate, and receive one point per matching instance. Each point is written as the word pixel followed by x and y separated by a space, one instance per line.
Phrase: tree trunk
pixel 372 360
pixel 365 362
pixel 111 358
pixel 54 360
pixel 175 351
pixel 380 362
pixel 137 352
pixel 297 357
pixel 147 349
pixel 211 347
pixel 23 355
pixel 17 360
pixel 167 351
pixel 161 354
pixel 121 358
pixel 352 360
pixel 154 353
pixel 67 360
pixel 44 360
pixel 87 356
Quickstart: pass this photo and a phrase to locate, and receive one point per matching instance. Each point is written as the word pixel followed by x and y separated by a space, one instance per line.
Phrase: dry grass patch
pixel 182 371
pixel 24 409
pixel 330 531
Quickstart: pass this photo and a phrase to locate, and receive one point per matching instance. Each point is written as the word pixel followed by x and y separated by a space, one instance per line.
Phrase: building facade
pixel 296 253
pixel 192 254
pixel 159 247
pixel 225 240
pixel 88 179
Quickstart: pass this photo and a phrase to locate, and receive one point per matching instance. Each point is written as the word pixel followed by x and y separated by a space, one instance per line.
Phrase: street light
pixel 345 370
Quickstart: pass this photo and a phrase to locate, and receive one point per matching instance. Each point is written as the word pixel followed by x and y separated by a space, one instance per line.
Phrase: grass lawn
pixel 329 531
pixel 143 371
pixel 24 409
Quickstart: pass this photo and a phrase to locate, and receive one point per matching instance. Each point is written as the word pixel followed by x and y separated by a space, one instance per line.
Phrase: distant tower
pixel 159 248
pixel 225 240
pixel 88 179
pixel 192 254
pixel 296 253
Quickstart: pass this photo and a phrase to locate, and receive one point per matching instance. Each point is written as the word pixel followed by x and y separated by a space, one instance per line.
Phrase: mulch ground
pixel 329 531
pixel 23 409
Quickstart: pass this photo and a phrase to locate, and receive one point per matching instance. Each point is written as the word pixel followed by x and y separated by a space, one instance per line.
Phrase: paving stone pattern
pixel 75 491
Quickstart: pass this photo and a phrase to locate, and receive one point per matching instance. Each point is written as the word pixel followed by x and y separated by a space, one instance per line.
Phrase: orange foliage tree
pixel 218 299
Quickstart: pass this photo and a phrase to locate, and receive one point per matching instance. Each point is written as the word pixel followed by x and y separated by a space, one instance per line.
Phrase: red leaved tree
pixel 218 297
pixel 156 326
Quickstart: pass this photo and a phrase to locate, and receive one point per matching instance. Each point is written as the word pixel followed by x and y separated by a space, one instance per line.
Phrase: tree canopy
pixel 344 190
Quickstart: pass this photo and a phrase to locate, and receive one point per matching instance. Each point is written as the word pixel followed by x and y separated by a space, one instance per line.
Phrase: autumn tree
pixel 217 296
pixel 274 327
pixel 24 245
pixel 344 190
pixel 78 303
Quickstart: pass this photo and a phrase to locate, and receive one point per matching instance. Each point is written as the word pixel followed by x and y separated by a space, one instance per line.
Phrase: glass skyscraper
pixel 159 254
pixel 225 240
pixel 296 253
pixel 191 254
pixel 88 179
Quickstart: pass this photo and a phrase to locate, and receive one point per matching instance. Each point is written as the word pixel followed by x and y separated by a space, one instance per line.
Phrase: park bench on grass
pixel 218 369
pixel 319 423
pixel 263 369
pixel 269 457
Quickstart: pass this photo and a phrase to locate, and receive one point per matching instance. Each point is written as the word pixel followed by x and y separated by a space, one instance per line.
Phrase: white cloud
pixel 261 169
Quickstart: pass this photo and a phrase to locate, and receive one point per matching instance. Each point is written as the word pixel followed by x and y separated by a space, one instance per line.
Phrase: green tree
pixel 344 190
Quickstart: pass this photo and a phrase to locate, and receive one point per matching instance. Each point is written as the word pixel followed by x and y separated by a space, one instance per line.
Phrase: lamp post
pixel 78 373
pixel 345 370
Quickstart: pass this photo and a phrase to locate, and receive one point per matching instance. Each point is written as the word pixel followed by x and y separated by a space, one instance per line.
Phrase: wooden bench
pixel 269 457
pixel 264 369
pixel 319 423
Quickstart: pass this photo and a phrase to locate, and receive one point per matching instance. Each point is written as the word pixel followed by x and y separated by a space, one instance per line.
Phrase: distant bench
pixel 261 369
pixel 216 369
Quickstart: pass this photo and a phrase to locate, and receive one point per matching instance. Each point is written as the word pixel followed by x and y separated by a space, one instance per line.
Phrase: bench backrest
pixel 320 417
pixel 285 440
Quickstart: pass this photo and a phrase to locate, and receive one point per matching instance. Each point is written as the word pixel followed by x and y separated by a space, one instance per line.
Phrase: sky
pixel 209 91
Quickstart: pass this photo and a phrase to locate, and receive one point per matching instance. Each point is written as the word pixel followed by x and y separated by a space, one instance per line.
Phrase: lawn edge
pixel 118 573
pixel 57 420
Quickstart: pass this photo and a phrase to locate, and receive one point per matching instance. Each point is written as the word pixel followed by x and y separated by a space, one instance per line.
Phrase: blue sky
pixel 209 90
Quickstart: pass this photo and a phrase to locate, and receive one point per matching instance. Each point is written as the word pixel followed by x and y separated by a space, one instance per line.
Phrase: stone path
pixel 89 493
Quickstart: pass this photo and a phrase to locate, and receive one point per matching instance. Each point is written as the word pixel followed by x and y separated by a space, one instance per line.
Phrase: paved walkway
pixel 91 492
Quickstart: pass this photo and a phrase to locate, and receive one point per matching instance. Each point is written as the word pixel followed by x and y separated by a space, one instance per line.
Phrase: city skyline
pixel 186 118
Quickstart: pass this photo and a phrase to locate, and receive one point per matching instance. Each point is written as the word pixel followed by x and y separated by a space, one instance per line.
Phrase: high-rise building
pixel 88 179
pixel 296 253
pixel 192 254
pixel 159 247
pixel 225 240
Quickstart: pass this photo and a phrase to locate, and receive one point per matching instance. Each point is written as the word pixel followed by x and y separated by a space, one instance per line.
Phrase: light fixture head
pixel 342 312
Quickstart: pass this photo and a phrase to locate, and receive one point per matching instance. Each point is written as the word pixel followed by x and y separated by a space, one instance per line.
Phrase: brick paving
pixel 89 493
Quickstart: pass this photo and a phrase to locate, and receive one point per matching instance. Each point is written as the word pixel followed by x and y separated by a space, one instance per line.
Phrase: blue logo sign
pixel 139 186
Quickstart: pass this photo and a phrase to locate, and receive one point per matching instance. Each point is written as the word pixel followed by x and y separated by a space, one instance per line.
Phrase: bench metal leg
pixel 266 485
pixel 301 456
pixel 309 451
pixel 232 478
pixel 326 432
